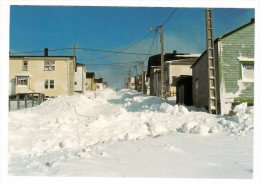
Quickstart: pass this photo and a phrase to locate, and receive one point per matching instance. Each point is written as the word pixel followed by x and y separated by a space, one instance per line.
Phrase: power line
pixel 169 16
pixel 136 42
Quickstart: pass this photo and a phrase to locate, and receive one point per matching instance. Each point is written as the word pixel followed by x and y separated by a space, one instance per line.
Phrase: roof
pixel 99 80
pixel 90 74
pixel 26 56
pixel 155 60
pixel 252 21
pixel 184 61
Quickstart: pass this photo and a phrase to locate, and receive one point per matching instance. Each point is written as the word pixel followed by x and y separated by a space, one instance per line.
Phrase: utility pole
pixel 142 74
pixel 213 107
pixel 162 61
pixel 129 79
pixel 162 56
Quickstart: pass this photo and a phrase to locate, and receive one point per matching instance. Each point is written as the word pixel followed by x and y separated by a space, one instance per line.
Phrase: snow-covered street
pixel 127 134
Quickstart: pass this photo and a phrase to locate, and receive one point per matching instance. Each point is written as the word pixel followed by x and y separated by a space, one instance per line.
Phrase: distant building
pixel 80 79
pixel 234 64
pixel 175 64
pixel 99 83
pixel 175 68
pixel 49 75
pixel 90 84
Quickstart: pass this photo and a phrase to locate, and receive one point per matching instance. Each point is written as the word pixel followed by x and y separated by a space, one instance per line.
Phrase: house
pixel 176 67
pixel 99 83
pixel 234 64
pixel 175 64
pixel 79 78
pixel 183 85
pixel 49 75
pixel 90 85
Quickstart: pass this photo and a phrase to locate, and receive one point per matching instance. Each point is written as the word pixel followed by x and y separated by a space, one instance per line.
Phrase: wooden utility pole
pixel 162 61
pixel 213 108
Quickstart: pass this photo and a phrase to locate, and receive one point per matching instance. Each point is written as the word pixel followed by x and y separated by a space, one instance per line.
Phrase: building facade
pixel 90 84
pixel 234 64
pixel 80 78
pixel 49 75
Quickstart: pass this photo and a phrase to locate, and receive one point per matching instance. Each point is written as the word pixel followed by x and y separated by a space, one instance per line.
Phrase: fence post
pixel 9 103
pixel 18 101
pixel 25 101
pixel 32 100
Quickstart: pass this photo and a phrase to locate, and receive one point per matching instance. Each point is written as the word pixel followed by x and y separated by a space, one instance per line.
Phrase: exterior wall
pixel 232 89
pixel 152 80
pixel 80 79
pixel 200 82
pixel 63 76
pixel 91 85
pixel 175 69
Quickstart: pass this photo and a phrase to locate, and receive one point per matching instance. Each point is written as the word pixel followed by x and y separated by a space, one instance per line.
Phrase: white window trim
pixel 49 65
pixel 19 78
pixel 244 61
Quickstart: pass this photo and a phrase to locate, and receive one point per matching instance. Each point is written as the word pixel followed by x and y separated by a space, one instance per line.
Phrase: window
pixel 49 84
pixel 46 84
pixel 22 81
pixel 49 65
pixel 75 83
pixel 247 72
pixel 197 83
pixel 25 66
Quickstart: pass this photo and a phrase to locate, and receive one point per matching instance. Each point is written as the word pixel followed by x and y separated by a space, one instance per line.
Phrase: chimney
pixel 45 52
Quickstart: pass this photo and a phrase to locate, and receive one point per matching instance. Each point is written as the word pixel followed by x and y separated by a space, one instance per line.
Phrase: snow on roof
pixel 24 75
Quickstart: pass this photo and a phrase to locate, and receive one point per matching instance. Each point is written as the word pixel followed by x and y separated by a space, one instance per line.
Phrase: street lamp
pixel 162 56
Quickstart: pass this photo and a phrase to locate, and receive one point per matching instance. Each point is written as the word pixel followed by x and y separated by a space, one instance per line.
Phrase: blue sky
pixel 33 28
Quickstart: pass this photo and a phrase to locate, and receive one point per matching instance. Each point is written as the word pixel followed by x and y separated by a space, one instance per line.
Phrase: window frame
pixel 49 65
pixel 49 84
pixel 25 67
pixel 242 64
pixel 22 81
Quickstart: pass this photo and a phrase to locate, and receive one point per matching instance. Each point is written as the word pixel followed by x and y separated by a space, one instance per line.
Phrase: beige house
pixel 49 75
pixel 175 68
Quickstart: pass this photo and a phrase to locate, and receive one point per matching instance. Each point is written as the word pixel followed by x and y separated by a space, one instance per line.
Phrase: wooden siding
pixel 200 73
pixel 238 44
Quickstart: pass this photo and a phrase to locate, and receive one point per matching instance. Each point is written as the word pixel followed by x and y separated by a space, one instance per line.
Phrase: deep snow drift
pixel 127 134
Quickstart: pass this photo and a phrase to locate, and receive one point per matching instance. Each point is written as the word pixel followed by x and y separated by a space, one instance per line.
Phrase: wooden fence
pixel 25 100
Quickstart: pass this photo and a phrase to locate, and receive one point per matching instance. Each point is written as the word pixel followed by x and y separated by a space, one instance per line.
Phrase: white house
pixel 80 78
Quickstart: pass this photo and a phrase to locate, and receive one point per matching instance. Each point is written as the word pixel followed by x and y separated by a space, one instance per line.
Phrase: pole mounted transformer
pixel 212 97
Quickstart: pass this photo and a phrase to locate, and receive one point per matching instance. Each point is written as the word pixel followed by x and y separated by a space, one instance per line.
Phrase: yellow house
pixel 90 84
pixel 49 75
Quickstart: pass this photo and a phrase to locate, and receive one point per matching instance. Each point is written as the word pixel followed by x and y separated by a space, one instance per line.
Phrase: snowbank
pixel 75 125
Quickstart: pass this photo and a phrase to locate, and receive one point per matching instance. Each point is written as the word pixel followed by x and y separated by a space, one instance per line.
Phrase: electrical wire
pixel 169 16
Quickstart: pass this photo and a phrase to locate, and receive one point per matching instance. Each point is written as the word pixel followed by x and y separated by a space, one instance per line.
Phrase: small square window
pixel 49 65
pixel 196 84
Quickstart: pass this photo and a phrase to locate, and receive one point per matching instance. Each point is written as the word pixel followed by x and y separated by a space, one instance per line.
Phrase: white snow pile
pixel 73 126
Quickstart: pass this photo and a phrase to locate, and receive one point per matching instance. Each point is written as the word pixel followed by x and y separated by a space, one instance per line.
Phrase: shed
pixel 184 90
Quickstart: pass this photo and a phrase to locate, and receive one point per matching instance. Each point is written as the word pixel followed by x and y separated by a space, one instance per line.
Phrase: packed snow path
pixel 127 134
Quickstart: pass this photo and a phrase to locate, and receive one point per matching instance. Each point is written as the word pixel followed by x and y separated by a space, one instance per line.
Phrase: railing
pixel 25 100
